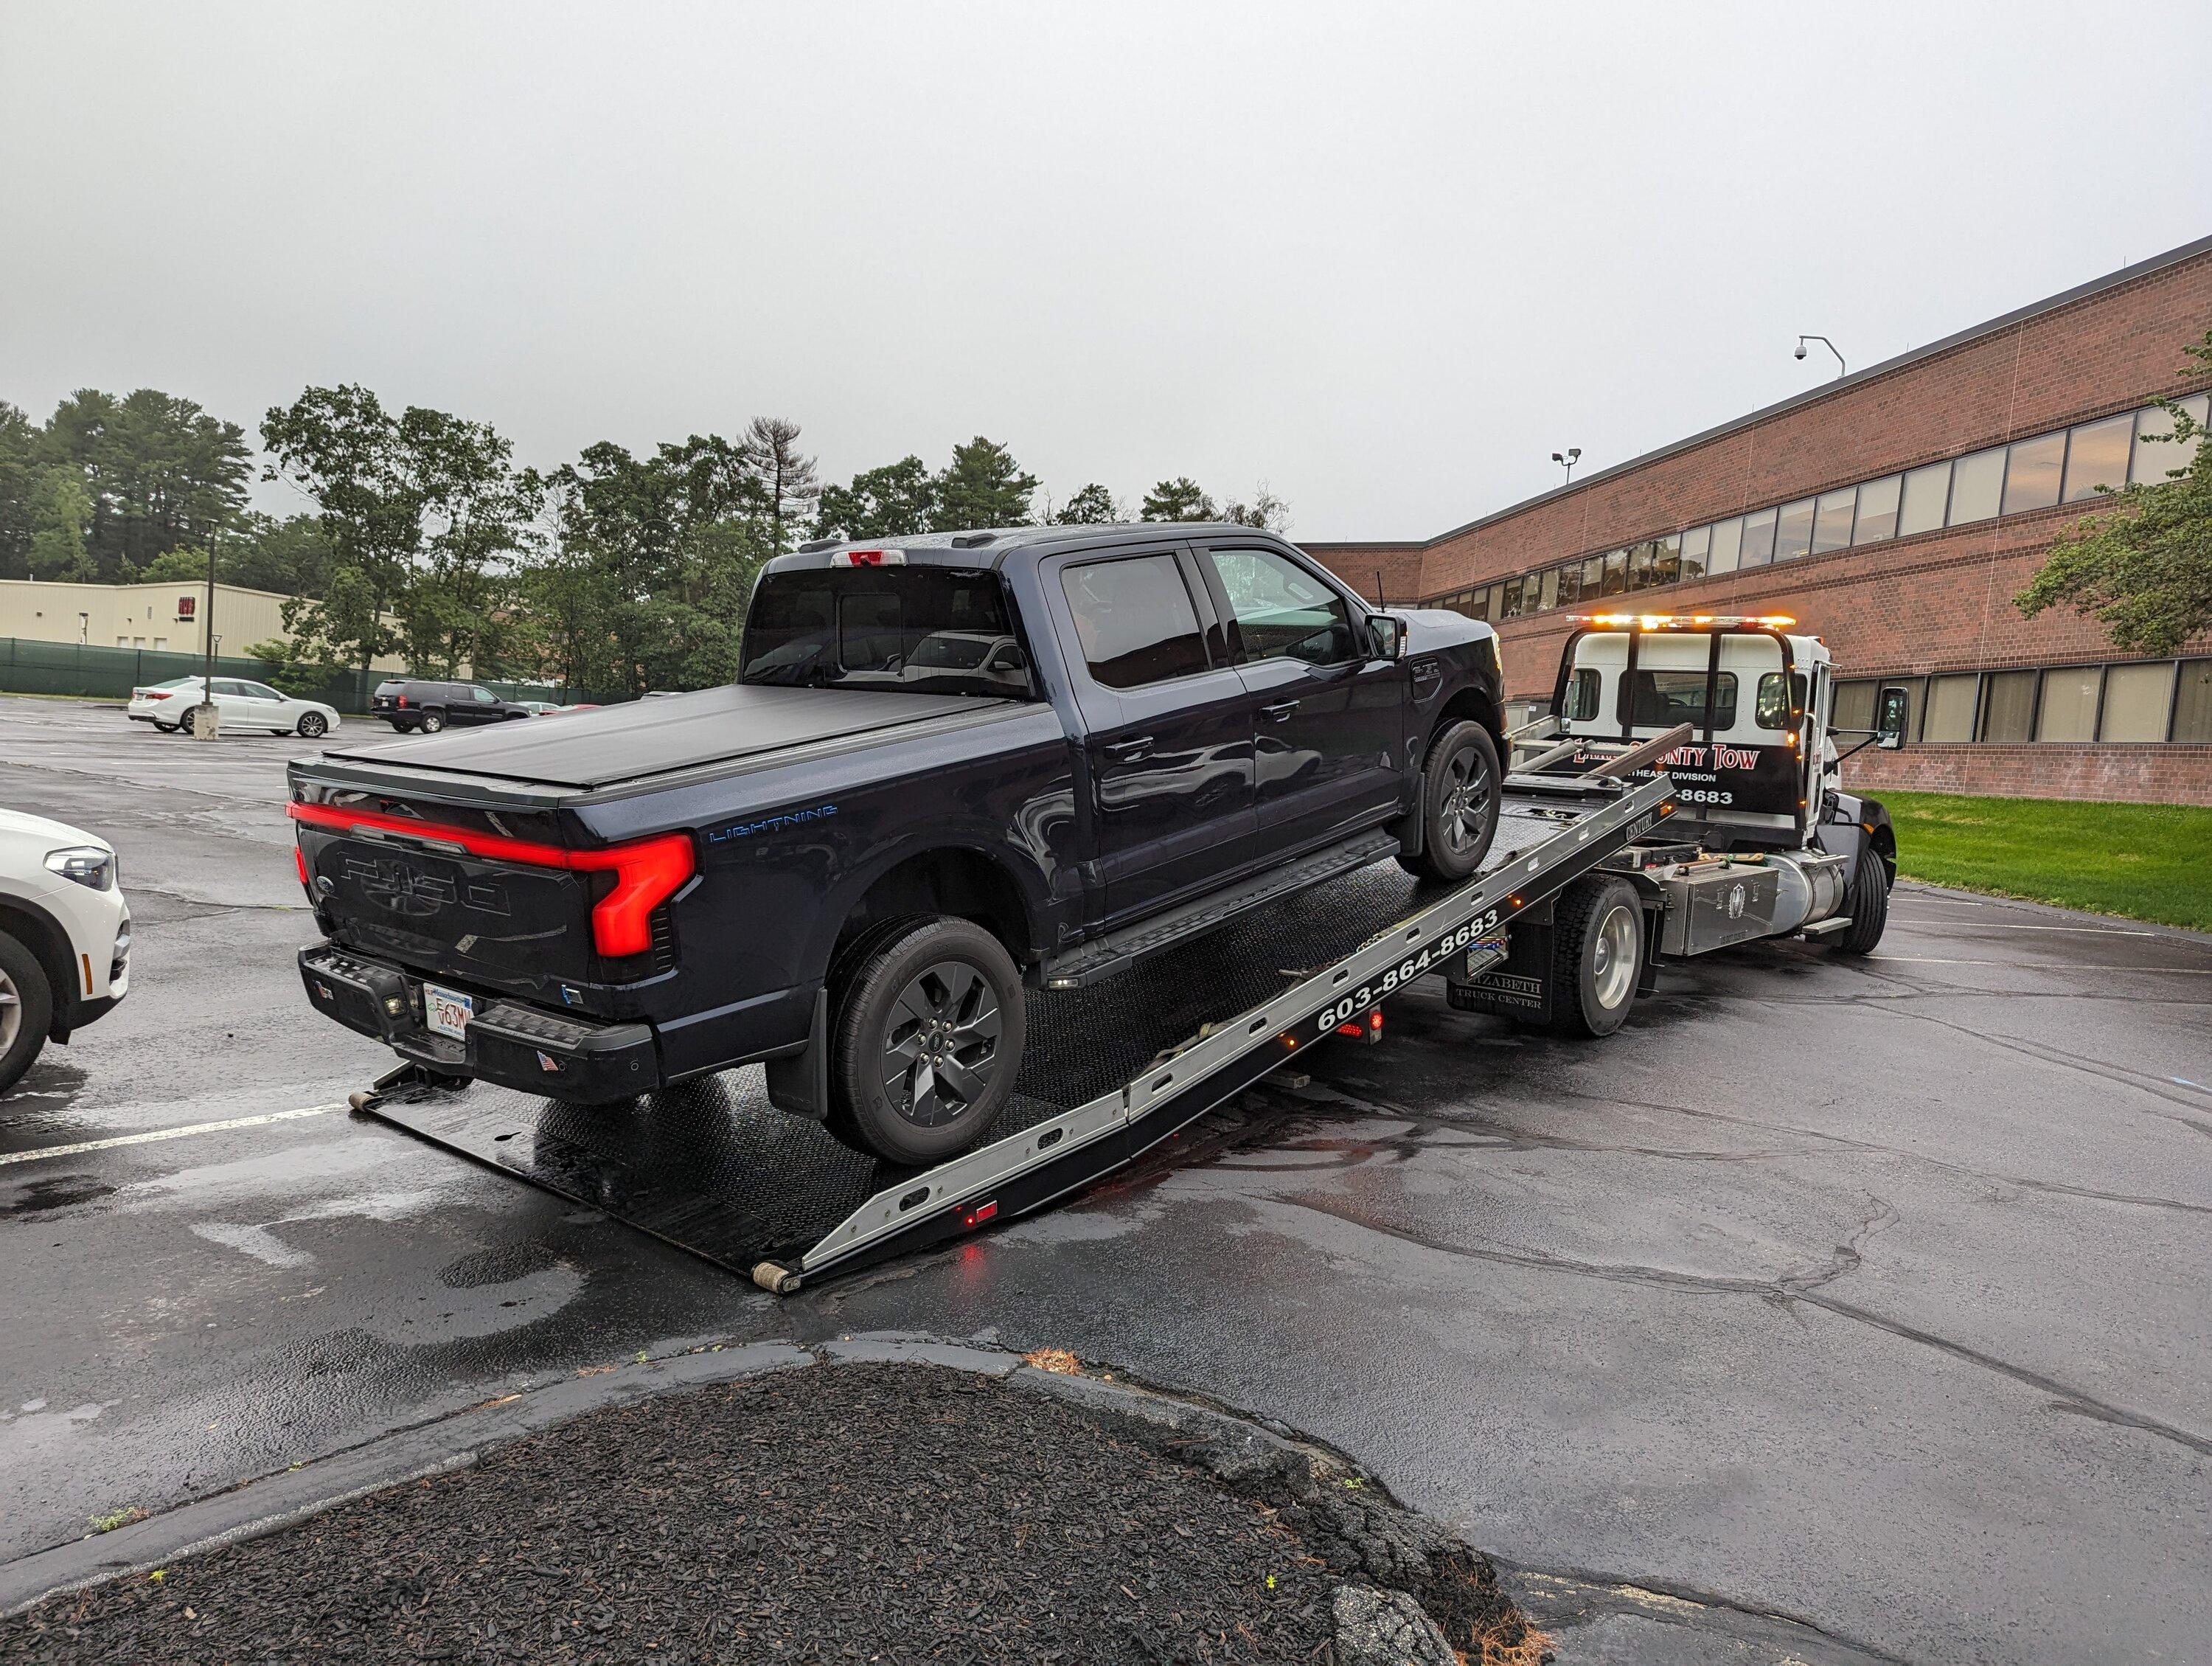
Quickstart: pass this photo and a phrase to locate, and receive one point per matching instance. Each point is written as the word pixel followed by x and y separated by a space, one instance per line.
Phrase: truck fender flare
pixel 840 905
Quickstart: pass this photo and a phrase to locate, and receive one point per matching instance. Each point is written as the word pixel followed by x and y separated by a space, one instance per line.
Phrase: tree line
pixel 616 573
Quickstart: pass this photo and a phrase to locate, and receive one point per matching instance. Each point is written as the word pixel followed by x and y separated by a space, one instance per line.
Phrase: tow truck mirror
pixel 1388 634
pixel 1890 730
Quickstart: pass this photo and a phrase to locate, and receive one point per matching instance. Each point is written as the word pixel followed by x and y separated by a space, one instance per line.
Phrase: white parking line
pixel 2149 972
pixel 153 1134
pixel 2007 926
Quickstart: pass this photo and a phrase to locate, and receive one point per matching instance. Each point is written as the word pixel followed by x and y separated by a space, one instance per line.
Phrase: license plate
pixel 447 1012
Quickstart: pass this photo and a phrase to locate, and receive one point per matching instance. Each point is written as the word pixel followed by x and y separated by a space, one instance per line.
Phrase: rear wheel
pixel 1459 804
pixel 927 1043
pixel 164 729
pixel 1865 899
pixel 26 1009
pixel 1598 951
pixel 190 721
pixel 431 722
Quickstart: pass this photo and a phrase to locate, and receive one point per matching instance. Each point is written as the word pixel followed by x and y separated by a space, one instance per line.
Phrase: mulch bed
pixel 867 1513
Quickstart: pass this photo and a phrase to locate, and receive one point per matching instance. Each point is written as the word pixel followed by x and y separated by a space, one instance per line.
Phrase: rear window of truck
pixel 915 630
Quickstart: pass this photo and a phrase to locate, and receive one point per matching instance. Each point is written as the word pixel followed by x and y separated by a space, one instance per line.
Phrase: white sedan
pixel 239 705
pixel 64 936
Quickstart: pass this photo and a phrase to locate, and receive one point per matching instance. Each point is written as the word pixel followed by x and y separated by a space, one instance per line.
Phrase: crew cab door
pixel 1330 716
pixel 1168 724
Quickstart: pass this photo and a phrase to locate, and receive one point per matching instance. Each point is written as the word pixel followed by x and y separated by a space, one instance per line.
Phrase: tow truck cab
pixel 1758 775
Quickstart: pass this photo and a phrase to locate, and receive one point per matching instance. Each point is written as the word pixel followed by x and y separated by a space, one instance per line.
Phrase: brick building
pixel 1894 513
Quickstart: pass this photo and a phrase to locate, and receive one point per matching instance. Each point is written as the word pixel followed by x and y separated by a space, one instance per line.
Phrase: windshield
pixel 918 630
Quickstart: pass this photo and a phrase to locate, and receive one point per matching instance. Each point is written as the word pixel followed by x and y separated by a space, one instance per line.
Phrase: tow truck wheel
pixel 26 1009
pixel 927 1042
pixel 1459 804
pixel 1597 950
pixel 1865 899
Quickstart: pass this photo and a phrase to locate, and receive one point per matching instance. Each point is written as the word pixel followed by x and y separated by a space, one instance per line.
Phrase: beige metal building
pixel 165 617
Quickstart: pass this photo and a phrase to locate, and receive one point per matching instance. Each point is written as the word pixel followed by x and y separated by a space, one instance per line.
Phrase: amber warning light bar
pixel 1684 621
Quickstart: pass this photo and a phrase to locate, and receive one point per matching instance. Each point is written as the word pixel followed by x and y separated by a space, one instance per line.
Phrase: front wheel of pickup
pixel 1459 804
pixel 927 1040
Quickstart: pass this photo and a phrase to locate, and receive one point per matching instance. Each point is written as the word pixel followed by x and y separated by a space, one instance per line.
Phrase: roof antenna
pixel 1379 602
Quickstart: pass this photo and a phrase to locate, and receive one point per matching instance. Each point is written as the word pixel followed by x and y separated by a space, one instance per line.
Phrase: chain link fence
pixel 110 673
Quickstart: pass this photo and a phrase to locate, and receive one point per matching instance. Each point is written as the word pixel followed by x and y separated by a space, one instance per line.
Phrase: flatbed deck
pixel 712 1168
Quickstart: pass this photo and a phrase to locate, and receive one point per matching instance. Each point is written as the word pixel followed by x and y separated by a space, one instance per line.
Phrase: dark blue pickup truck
pixel 951 765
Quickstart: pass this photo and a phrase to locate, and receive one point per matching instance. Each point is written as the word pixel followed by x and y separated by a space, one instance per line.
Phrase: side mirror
pixel 1387 636
pixel 1890 728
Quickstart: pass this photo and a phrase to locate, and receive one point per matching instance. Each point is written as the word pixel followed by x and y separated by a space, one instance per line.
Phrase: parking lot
pixel 1833 1311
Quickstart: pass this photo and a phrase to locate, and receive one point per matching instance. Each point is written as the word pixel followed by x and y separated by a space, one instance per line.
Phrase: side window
pixel 1282 611
pixel 1581 695
pixel 261 691
pixel 485 696
pixel 1777 698
pixel 1134 620
pixel 226 685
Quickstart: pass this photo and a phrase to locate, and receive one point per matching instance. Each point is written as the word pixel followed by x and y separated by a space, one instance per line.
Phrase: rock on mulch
pixel 863 1512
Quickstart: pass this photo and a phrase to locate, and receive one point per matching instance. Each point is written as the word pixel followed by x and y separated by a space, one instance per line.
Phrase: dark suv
pixel 409 703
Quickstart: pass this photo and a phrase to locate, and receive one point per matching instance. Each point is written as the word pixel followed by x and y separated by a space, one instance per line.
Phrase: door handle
pixel 1279 710
pixel 1129 751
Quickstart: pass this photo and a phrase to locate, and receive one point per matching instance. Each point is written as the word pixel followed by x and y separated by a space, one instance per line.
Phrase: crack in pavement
pixel 2153 1087
pixel 1779 1292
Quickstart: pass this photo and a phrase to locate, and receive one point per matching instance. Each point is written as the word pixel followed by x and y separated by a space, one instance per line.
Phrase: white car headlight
pixel 86 864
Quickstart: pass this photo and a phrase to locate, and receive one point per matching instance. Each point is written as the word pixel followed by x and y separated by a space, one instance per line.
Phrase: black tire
pixel 1866 900
pixel 935 1012
pixel 313 726
pixel 431 722
pixel 1460 788
pixel 1597 954
pixel 26 1009
pixel 189 721
pixel 164 729
pixel 400 727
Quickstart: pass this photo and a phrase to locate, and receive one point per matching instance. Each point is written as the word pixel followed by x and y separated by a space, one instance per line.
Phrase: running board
pixel 1117 951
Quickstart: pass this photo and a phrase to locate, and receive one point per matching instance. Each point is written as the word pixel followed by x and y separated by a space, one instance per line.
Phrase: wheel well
pixel 1470 705
pixel 46 940
pixel 954 880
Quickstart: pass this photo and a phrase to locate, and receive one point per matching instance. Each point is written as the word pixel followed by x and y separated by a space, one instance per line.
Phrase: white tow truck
pixel 1763 842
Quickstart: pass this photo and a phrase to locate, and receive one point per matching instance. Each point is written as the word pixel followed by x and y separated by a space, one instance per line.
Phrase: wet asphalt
pixel 1833 1311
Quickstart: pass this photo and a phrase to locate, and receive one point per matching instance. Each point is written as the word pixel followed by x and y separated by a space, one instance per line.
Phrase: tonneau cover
pixel 593 749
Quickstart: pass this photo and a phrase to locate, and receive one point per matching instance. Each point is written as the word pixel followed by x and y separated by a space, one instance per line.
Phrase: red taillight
pixel 157 694
pixel 977 1216
pixel 399 699
pixel 648 871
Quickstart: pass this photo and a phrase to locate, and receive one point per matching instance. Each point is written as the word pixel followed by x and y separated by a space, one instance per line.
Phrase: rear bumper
pixel 551 1054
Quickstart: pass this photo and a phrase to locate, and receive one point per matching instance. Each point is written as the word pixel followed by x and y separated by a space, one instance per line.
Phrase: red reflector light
pixel 1350 1030
pixel 1375 1020
pixel 648 871
pixel 299 861
pixel 982 1212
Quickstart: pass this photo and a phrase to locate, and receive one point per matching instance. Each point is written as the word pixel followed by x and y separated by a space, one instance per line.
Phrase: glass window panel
pixel 1854 706
pixel 1926 492
pixel 1667 559
pixel 1877 511
pixel 1697 545
pixel 1134 620
pixel 1759 538
pixel 1282 611
pixel 1616 573
pixel 1550 594
pixel 1512 588
pixel 2156 455
pixel 1950 713
pixel 1831 519
pixel 1664 698
pixel 2032 476
pixel 1977 485
pixel 1792 534
pixel 1916 696
pixel 1641 566
pixel 2009 705
pixel 1570 584
pixel 2097 456
pixel 1478 604
pixel 1593 578
pixel 1497 601
pixel 2137 698
pixel 1728 546
pixel 2192 701
pixel 2070 704
pixel 1581 695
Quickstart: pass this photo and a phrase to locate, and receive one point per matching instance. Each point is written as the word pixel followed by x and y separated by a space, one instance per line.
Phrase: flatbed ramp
pixel 712 1168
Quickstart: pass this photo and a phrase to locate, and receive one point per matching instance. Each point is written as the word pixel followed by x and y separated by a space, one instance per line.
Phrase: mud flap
pixel 798 1083
pixel 1520 986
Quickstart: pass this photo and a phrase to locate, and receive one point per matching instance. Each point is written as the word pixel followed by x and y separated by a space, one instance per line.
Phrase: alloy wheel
pixel 11 1012
pixel 941 1048
pixel 1613 962
pixel 1466 796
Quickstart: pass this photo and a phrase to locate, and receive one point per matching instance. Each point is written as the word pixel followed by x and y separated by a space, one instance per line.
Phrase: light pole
pixel 206 719
pixel 1567 460
pixel 1840 367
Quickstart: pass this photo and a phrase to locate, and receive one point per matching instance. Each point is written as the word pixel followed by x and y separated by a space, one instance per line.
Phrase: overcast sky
pixel 1386 258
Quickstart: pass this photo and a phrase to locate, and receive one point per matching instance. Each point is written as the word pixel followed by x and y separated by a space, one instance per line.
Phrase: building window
pixel 1831 520
pixel 1643 566
pixel 1728 546
pixel 2193 702
pixel 2097 456
pixel 1876 520
pixel 1666 558
pixel 1570 584
pixel 1915 690
pixel 1950 713
pixel 1593 578
pixel 2138 700
pixel 1551 591
pixel 1759 538
pixel 2009 705
pixel 1497 601
pixel 1616 573
pixel 2156 455
pixel 1976 486
pixel 2032 476
pixel 1697 545
pixel 1793 535
pixel 2070 704
pixel 1927 491
pixel 1852 706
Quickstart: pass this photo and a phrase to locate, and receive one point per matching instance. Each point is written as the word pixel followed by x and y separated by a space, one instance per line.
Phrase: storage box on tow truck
pixel 1764 841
